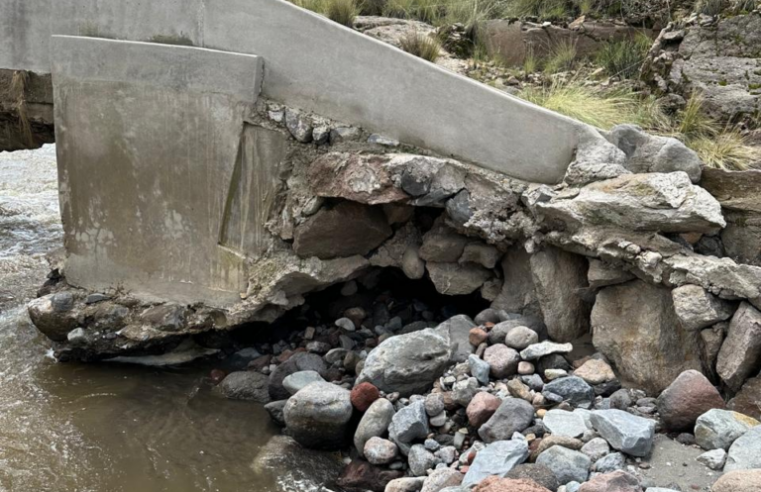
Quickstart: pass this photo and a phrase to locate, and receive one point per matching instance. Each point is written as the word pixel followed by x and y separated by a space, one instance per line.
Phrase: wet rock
pixel 294 382
pixel 638 202
pixel 563 423
pixel 495 484
pixel 363 395
pixel 457 279
pixel 282 453
pixel 318 416
pixel 408 424
pixel 513 415
pixel 745 452
pixel 738 481
pixel 718 429
pixel 275 410
pixel 625 432
pixel 633 321
pixel 543 349
pixel 572 389
pixel 481 408
pixel 300 361
pixel 740 354
pixel 420 460
pixel 602 274
pixel 617 481
pixel 559 278
pixel 567 465
pixel 459 328
pixel 326 236
pixel 497 459
pixel 521 337
pixel 713 459
pixel 380 451
pixel 538 473
pixel 609 463
pixel 687 398
pixel 244 385
pixel 748 400
pixel 53 315
pixel 595 371
pixel 408 363
pixel 361 476
pixel 698 309
pixel 503 361
pixel 374 423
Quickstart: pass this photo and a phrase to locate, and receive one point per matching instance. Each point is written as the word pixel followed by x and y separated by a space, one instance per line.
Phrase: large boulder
pixel 318 416
pixel 513 415
pixel 738 481
pixel 625 432
pixel 497 459
pixel 408 363
pixel 687 398
pixel 745 452
pixel 718 429
pixel 560 279
pixel 634 325
pixel 518 295
pixel 740 354
pixel 54 315
pixel 245 385
pixel 748 400
pixel 698 309
pixel 638 202
pixel 347 229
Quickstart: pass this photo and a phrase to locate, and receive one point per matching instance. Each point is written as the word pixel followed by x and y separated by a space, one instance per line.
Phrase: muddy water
pixel 102 428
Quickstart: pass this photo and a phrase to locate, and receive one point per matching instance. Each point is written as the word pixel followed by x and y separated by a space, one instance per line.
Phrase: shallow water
pixel 107 427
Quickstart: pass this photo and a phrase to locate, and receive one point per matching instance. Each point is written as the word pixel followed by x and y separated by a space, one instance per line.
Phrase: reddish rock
pixel 217 375
pixel 739 481
pixel 748 400
pixel 481 408
pixel 687 398
pixel 285 355
pixel 496 484
pixel 363 395
pixel 359 476
pixel 617 481
pixel 260 362
pixel 477 336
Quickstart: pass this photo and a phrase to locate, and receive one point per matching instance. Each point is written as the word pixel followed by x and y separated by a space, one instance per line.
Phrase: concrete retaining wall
pixel 323 67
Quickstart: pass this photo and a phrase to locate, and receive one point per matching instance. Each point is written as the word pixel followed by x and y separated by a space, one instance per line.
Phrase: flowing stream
pixel 106 427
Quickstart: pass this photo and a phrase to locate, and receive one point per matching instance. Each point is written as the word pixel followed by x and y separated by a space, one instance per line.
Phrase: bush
pixel 341 11
pixel 624 58
pixel 421 45
pixel 562 57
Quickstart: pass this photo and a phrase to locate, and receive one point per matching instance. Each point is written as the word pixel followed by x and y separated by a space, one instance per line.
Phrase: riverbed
pixel 103 427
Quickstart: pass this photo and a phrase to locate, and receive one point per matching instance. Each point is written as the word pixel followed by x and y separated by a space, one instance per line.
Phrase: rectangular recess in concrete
pixel 148 137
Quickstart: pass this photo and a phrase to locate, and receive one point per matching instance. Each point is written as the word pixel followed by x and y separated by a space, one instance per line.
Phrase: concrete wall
pixel 148 160
pixel 320 66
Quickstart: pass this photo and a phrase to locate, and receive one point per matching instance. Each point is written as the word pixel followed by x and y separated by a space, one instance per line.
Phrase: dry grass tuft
pixel 727 150
pixel 421 45
pixel 624 58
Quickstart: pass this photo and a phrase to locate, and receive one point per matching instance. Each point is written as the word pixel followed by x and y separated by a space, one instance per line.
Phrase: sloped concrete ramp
pixel 317 65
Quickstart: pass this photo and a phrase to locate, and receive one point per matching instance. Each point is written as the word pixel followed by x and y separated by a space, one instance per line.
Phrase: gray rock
pixel 420 460
pixel 538 473
pixel 318 416
pixel 498 458
pixel 456 279
pixel 625 432
pixel 596 448
pixel 443 479
pixel 602 274
pixel 405 484
pixel 698 309
pixel 718 429
pixel 572 389
pixel 559 278
pixel 513 415
pixel 408 363
pixel 458 328
pixel 344 133
pixel 434 404
pixel 567 465
pixel 563 423
pixel 377 139
pixel 245 385
pixel 345 324
pixel 408 424
pixel 485 255
pixel 275 409
pixel 503 361
pixel 745 452
pixel 713 459
pixel 545 348
pixel 300 361
pixel 379 451
pixel 294 382
pixel 521 337
pixel 374 423
pixel 609 463
pixel 740 354
pixel 463 391
pixel 479 368
pixel 299 125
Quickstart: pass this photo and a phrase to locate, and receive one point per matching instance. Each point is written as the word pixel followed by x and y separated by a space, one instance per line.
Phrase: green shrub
pixel 341 11
pixel 624 58
pixel 562 57
pixel 693 121
pixel 421 45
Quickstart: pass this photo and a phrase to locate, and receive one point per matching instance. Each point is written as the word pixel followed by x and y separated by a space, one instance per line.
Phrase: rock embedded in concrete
pixel 718 429
pixel 374 423
pixel 625 432
pixel 745 452
pixel 542 349
pixel 513 415
pixel 687 398
pixel 740 354
pixel 560 278
pixel 318 416
pixel 567 465
pixel 408 363
pixel 326 236
pixel 698 309
pixel 497 459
